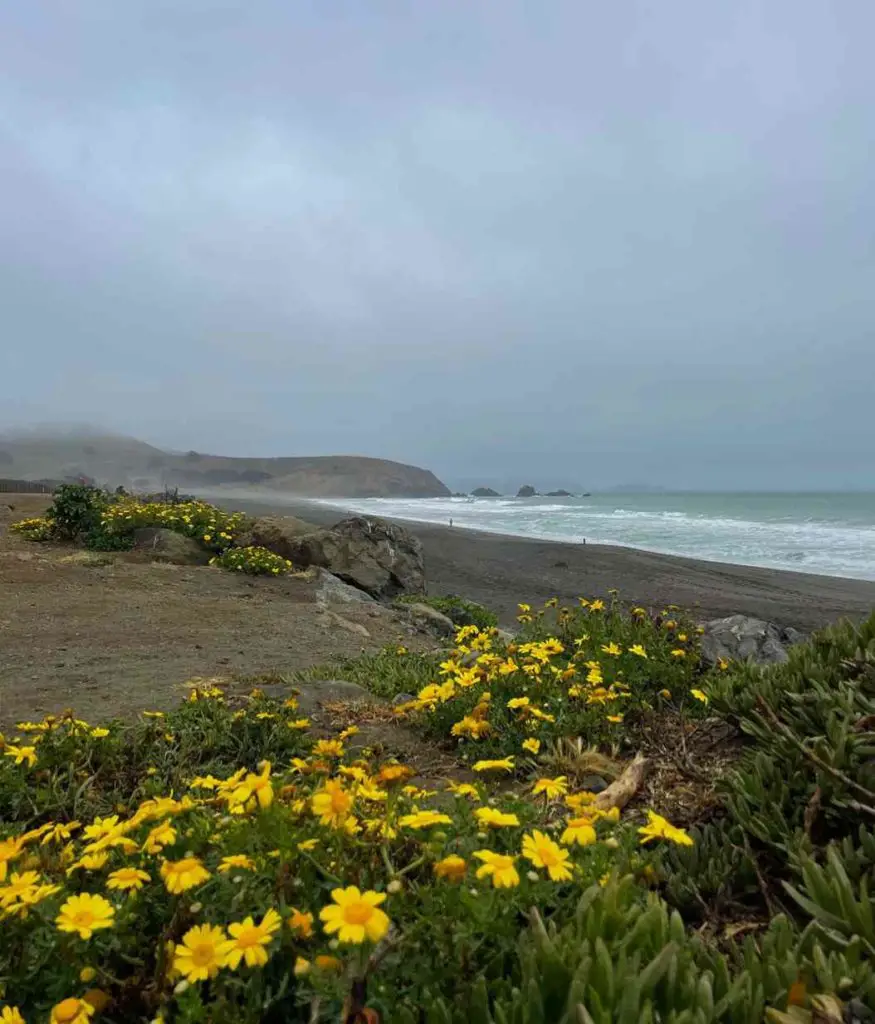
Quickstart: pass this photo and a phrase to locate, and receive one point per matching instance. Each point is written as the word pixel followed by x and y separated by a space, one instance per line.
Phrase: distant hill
pixel 111 461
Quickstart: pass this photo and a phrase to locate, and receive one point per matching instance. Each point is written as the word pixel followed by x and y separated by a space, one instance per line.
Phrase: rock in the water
pixel 331 590
pixel 741 638
pixel 429 618
pixel 168 546
pixel 526 491
pixel 274 533
pixel 559 494
pixel 484 492
pixel 380 558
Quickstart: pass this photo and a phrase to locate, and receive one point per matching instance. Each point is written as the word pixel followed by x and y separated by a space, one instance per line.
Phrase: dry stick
pixel 619 793
pixel 787 732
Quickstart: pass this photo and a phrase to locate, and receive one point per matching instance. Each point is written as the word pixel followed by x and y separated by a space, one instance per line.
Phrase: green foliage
pixel 253 560
pixel 799 808
pixel 585 673
pixel 462 612
pixel 387 673
pixel 76 511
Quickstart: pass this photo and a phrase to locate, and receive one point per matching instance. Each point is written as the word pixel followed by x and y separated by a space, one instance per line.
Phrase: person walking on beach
pixel 451 521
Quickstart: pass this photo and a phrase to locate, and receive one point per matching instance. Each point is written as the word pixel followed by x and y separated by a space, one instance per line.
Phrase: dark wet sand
pixel 499 571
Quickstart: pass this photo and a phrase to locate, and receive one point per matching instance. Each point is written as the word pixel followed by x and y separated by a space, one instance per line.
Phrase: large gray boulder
pixel 526 491
pixel 168 546
pixel 274 533
pixel 742 638
pixel 381 558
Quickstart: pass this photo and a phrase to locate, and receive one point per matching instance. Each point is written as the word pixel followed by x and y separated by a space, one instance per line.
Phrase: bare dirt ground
pixel 110 635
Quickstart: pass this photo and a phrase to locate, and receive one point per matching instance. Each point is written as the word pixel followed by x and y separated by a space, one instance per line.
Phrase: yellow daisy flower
pixel 85 914
pixel 201 954
pixel 355 915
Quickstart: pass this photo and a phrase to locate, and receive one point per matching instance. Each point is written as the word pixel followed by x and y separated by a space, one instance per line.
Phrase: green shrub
pixel 387 673
pixel 253 560
pixel 76 511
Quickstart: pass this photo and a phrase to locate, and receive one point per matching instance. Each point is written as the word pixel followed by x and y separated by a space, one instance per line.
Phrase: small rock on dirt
pixel 742 638
pixel 321 691
pixel 403 698
pixel 168 546
pixel 430 619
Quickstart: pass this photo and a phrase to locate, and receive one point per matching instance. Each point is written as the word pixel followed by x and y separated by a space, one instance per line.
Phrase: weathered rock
pixel 274 533
pixel 741 638
pixel 331 619
pixel 322 691
pixel 402 698
pixel 484 492
pixel 331 590
pixel 380 558
pixel 168 546
pixel 526 491
pixel 559 494
pixel 429 618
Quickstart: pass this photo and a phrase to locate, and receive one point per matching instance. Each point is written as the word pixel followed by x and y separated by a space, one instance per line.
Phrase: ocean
pixel 830 534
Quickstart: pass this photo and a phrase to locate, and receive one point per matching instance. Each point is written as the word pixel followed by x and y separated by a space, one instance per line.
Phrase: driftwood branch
pixel 620 792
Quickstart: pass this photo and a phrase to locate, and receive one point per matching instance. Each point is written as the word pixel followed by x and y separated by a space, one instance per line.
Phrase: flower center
pixel 203 954
pixel 83 918
pixel 358 913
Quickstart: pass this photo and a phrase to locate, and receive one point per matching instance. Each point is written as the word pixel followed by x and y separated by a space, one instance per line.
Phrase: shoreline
pixel 499 570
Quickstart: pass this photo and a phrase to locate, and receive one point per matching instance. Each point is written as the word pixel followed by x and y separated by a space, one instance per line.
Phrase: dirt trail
pixel 109 635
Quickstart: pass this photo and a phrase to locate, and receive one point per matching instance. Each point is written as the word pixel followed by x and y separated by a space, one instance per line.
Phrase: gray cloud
pixel 564 241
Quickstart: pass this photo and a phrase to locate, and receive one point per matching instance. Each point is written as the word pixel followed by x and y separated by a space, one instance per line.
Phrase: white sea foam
pixel 832 535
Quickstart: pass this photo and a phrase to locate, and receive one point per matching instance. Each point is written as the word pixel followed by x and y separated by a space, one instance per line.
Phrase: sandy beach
pixel 501 570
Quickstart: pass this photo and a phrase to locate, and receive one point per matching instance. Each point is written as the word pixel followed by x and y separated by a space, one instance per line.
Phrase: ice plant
pixel 355 915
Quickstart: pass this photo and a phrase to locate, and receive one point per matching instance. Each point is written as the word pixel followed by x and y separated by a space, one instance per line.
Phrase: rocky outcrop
pixel 276 533
pixel 741 638
pixel 526 491
pixel 169 546
pixel 381 558
pixel 559 494
pixel 484 492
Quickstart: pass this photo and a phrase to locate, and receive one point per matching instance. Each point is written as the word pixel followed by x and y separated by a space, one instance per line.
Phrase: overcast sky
pixel 571 242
